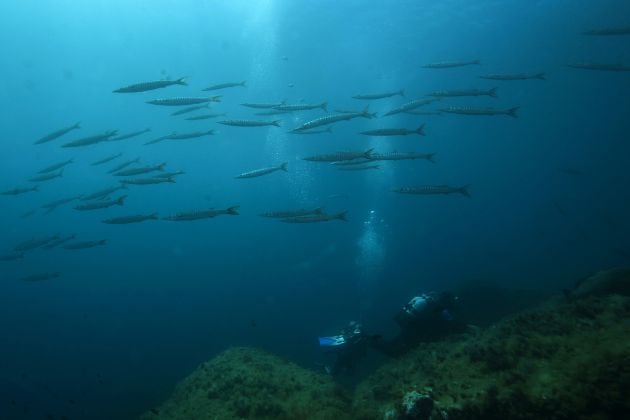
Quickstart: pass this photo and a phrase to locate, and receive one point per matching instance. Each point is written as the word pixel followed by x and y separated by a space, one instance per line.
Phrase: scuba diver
pixel 424 318
pixel 349 347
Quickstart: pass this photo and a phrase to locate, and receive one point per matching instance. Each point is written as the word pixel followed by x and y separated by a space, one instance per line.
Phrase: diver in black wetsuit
pixel 427 317
pixel 349 348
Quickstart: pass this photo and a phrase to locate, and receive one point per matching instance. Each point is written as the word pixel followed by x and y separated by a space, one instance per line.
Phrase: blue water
pixel 123 323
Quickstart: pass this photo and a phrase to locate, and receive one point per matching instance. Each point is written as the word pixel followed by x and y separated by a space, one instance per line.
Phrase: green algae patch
pixel 246 383
pixel 562 360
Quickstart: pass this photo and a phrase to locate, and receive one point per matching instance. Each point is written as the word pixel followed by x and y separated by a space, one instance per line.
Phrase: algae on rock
pixel 245 383
pixel 563 360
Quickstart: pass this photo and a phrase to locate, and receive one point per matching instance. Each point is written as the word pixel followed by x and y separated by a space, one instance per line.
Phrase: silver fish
pixel 140 171
pixel 41 277
pixel 316 218
pixel 464 92
pixel 249 123
pixel 263 105
pixel 263 171
pixel 159 139
pixel 450 64
pixel 58 242
pixel 193 135
pixel 168 174
pixel 371 96
pixel 361 161
pixel 149 181
pixel 28 214
pixel 54 204
pixel 301 107
pixel 403 156
pixel 125 220
pixel 226 85
pixel 103 193
pixel 411 105
pixel 146 86
pixel 47 177
pixel 183 101
pixel 123 165
pixel 56 166
pixel 20 190
pixel 87 141
pixel 205 117
pixel 130 135
pixel 202 214
pixel 340 156
pixel 107 159
pixel 383 132
pixel 181 136
pixel 103 204
pixel 272 112
pixel 85 244
pixel 284 214
pixel 190 109
pixel 56 134
pixel 327 130
pixel 515 76
pixel 433 190
pixel 358 167
pixel 331 119
pixel 32 244
pixel 481 111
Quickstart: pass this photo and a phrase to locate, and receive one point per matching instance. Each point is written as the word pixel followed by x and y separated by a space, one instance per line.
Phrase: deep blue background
pixel 162 297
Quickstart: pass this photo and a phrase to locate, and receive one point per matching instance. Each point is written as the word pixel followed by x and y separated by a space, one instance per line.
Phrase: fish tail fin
pixel 401 92
pixel 342 216
pixel 368 153
pixel 171 179
pixel 464 190
pixel 243 83
pixel 233 210
pixel 121 200
pixel 102 242
pixel 181 81
pixel 420 130
pixel 36 188
pixel 367 114
pixel 324 106
pixel 541 76
pixel 476 62
pixel 77 125
pixel 276 123
pixel 284 166
pixel 512 112
pixel 216 98
pixel 154 216
pixel 431 157
pixel 319 210
pixel 493 92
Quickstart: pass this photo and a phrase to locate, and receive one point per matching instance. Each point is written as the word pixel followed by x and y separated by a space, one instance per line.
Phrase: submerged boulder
pixel 615 280
pixel 246 383
pixel 563 360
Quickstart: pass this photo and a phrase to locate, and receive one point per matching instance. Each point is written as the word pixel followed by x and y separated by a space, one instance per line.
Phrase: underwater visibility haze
pixel 183 177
